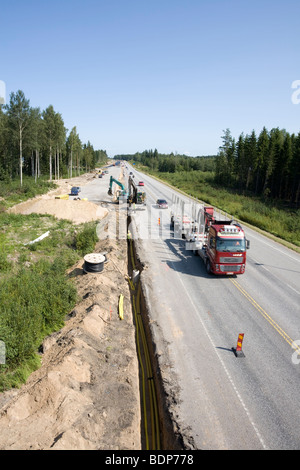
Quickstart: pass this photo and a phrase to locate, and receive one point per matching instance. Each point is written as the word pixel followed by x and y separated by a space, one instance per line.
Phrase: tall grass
pixel 12 193
pixel 33 304
pixel 35 292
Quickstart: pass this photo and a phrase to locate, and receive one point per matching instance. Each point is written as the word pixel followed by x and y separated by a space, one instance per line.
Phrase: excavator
pixel 121 194
pixel 135 196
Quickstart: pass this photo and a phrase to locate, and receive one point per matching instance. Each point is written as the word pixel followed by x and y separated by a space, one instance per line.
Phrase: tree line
pixel 170 163
pixel 268 165
pixel 36 142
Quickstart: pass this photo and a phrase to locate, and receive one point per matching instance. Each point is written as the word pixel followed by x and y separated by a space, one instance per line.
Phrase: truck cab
pixel 226 249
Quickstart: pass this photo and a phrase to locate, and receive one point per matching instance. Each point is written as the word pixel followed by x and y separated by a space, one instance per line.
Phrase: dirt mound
pixel 76 211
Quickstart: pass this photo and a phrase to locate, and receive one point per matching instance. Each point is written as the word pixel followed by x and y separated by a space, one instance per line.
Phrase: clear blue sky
pixel 167 74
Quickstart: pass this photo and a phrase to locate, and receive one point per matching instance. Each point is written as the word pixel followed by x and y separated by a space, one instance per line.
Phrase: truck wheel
pixel 208 270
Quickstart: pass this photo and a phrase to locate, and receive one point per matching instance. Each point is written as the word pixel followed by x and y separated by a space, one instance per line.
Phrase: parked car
pixel 141 183
pixel 75 190
pixel 162 203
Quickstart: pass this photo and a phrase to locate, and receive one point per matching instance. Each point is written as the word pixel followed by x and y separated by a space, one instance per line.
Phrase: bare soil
pixel 85 395
pixel 78 211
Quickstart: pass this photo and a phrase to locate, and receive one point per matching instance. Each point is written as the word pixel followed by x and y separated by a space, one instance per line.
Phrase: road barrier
pixel 238 350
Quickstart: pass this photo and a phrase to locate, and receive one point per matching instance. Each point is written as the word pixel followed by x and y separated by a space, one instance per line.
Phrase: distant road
pixel 226 402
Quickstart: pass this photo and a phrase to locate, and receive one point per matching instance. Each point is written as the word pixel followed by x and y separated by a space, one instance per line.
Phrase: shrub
pixel 86 239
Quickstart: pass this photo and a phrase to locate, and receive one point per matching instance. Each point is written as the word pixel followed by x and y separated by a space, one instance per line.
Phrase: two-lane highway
pixel 225 402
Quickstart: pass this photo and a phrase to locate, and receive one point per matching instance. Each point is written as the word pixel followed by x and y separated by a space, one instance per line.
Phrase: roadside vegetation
pixel 12 193
pixel 35 291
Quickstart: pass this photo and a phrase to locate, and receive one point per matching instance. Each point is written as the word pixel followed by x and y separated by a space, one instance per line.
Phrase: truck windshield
pixel 231 244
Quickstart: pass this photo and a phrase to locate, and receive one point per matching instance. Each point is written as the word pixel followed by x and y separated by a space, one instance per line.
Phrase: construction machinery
pixel 136 196
pixel 221 244
pixel 121 194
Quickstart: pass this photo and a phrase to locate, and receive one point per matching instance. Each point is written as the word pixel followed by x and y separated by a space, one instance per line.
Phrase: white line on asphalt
pixel 261 239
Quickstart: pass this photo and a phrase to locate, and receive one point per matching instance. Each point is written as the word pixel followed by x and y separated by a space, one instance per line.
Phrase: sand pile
pixel 77 211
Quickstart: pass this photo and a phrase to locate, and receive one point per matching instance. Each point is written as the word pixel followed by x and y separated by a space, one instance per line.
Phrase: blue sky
pixel 169 74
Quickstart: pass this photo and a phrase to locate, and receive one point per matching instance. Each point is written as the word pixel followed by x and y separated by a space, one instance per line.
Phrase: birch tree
pixel 60 139
pixel 49 128
pixel 18 112
pixel 74 147
pixel 36 136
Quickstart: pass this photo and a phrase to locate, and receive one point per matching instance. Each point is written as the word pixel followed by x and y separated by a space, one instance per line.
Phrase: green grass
pixel 35 292
pixel 17 231
pixel 12 193
pixel 33 304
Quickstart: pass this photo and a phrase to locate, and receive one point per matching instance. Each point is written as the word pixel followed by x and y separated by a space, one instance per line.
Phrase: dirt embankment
pixel 78 211
pixel 86 393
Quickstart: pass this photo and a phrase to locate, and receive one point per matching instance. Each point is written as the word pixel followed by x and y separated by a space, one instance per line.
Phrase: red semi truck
pixel 222 244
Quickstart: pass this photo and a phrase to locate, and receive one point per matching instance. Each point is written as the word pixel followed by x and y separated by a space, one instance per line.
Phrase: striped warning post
pixel 238 350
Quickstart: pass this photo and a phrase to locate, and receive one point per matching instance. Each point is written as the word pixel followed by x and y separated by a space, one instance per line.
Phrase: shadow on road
pixel 186 262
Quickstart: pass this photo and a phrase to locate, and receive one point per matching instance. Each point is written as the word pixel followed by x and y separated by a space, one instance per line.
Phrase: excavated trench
pixel 158 430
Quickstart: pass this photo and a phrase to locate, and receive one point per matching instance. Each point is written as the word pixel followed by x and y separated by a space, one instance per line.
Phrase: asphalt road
pixel 226 402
